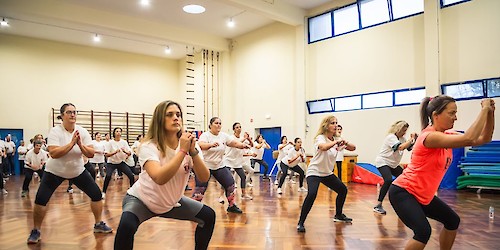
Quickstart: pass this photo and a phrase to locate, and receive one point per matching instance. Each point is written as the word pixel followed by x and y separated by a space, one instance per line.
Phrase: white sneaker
pixel 221 200
pixel 177 204
pixel 103 195
pixel 249 185
pixel 4 191
pixel 276 182
pixel 279 191
pixel 302 189
pixel 246 197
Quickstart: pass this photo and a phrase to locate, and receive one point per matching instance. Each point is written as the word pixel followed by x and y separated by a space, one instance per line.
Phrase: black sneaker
pixel 379 209
pixel 234 209
pixel 35 236
pixel 342 218
pixel 301 228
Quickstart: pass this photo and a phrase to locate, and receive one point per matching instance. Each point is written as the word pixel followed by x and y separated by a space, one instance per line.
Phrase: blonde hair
pixel 323 127
pixel 397 127
pixel 156 132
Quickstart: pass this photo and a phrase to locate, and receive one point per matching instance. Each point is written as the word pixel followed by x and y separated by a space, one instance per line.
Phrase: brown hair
pixel 429 105
pixel 156 131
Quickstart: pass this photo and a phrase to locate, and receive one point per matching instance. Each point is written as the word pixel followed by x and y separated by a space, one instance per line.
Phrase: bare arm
pixel 199 168
pixel 237 144
pixel 327 145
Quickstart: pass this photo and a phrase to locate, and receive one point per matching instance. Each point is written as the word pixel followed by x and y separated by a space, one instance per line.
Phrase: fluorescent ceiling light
pixel 194 9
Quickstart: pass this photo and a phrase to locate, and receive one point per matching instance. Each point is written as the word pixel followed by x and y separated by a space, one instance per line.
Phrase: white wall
pixel 37 75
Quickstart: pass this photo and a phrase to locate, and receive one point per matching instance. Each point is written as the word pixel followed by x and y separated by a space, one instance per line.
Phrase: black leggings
pixel 243 177
pixel 90 168
pixel 50 182
pixel 224 177
pixel 339 170
pixel 387 173
pixel 413 214
pixel 330 181
pixel 28 175
pixel 296 169
pixel 262 163
pixel 109 172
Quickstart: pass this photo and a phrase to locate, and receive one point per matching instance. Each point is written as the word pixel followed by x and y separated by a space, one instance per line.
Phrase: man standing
pixel 10 150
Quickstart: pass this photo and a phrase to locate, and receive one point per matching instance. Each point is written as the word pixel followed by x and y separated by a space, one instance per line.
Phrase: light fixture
pixel 193 9
pixel 168 50
pixel 4 22
pixel 97 38
pixel 145 2
pixel 230 23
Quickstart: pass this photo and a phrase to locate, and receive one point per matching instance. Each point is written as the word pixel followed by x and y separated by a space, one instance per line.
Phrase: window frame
pixel 452 4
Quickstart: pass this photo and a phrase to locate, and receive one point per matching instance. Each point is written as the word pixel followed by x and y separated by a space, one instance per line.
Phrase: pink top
pixel 426 170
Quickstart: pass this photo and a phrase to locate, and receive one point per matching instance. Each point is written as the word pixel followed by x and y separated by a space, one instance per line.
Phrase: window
pixel 348 103
pixel 320 27
pixel 377 100
pixel 409 96
pixel 404 8
pixel 320 106
pixel 464 90
pixel 345 19
pixel 374 12
pixel 493 87
pixel 445 3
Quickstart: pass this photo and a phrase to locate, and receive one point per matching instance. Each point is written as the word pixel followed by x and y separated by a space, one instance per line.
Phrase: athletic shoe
pixel 101 227
pixel 301 228
pixel 246 197
pixel 24 193
pixel 249 185
pixel 221 200
pixel 234 209
pixel 69 190
pixel 276 182
pixel 279 191
pixel 103 195
pixel 177 204
pixel 342 218
pixel 4 191
pixel 35 236
pixel 302 189
pixel 379 209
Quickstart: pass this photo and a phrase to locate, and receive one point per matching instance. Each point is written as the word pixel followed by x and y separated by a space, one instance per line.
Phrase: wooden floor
pixel 268 222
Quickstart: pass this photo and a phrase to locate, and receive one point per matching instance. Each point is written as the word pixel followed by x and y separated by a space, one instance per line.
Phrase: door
pixel 16 136
pixel 272 136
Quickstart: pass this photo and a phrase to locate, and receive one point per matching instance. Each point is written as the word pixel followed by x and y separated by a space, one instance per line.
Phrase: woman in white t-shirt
pixel 21 152
pixel 340 150
pixel 233 158
pixel 320 170
pixel 283 148
pixel 117 151
pixel 258 148
pixel 213 143
pixel 387 160
pixel 34 162
pixel 166 156
pixel 67 143
pixel 98 159
pixel 291 161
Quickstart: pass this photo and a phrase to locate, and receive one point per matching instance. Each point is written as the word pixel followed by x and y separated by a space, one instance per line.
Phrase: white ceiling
pixel 127 26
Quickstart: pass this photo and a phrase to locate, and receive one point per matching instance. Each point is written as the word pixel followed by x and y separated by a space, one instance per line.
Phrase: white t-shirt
pixel 292 153
pixel 69 165
pixel 36 160
pixel 234 156
pixel 282 152
pixel 161 198
pixel 112 146
pixel 99 146
pixel 135 146
pixel 246 159
pixel 213 156
pixel 21 152
pixel 323 162
pixel 340 154
pixel 9 147
pixel 389 154
pixel 258 151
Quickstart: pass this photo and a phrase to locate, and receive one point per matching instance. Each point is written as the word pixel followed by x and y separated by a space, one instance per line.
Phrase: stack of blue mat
pixel 481 166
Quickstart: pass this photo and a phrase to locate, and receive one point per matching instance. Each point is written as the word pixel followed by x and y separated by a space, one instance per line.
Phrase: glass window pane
pixel 320 106
pixel 348 103
pixel 320 27
pixel 346 19
pixel 449 2
pixel 377 100
pixel 466 90
pixel 402 8
pixel 374 12
pixel 493 87
pixel 409 97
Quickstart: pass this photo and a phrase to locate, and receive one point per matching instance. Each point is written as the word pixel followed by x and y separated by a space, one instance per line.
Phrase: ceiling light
pixel 230 23
pixel 168 50
pixel 193 9
pixel 4 22
pixel 144 2
pixel 97 38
